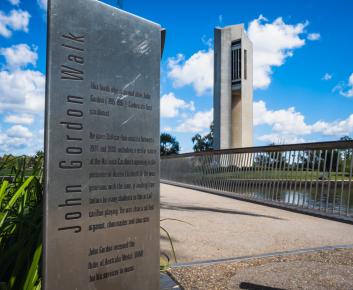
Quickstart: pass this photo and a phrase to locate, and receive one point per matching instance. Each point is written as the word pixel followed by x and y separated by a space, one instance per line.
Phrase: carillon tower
pixel 233 88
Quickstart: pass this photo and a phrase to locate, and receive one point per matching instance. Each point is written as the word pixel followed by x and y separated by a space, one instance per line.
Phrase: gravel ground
pixel 331 269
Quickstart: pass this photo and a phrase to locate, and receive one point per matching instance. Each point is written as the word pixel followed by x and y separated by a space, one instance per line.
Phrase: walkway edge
pixel 273 254
pixel 306 211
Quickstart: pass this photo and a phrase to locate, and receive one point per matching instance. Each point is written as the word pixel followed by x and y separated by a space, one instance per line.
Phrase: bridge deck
pixel 221 227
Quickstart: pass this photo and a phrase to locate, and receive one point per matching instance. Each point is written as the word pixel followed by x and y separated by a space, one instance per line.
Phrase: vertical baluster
pixel 235 157
pixel 343 181
pixel 203 170
pixel 235 185
pixel 272 174
pixel 323 180
pixel 220 172
pixel 223 172
pixel 232 172
pixel 259 175
pixel 317 178
pixel 306 177
pixel 279 174
pixel 216 171
pixel 253 175
pixel 197 170
pixel 248 173
pixel 287 174
pixel 284 177
pixel 208 161
pixel 263 168
pixel 226 183
pixel 275 175
pixel 302 173
pixel 210 175
pixel 240 158
pixel 291 194
pixel 226 169
pixel 227 172
pixel 349 183
pixel 201 164
pixel 296 179
pixel 329 180
pixel 243 169
pixel 267 175
pixel 192 177
pixel 312 175
pixel 336 181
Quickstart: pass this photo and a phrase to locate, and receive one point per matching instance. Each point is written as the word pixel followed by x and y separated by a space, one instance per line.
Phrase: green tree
pixel 347 154
pixel 203 143
pixel 169 145
pixel 346 138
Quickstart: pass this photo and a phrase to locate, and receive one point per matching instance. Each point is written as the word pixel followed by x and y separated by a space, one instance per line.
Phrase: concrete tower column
pixel 233 88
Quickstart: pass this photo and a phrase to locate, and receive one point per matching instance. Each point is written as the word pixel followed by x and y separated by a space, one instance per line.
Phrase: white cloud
pixel 197 123
pixel 171 106
pixel 288 125
pixel 314 36
pixel 43 4
pixel 285 120
pixel 281 139
pixel 336 128
pixel 272 44
pixel 196 71
pixel 16 20
pixel 19 140
pixel 19 119
pixel 327 77
pixel 19 55
pixel 15 2
pixel 22 91
pixel 346 90
pixel 167 129
pixel 19 131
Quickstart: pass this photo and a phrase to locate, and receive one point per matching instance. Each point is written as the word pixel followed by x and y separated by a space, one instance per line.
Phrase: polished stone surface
pixel 102 148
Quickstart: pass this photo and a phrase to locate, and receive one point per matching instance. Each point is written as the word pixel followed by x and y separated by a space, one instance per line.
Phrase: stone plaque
pixel 102 148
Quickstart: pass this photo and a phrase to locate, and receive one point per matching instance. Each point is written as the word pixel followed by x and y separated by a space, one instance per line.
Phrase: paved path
pixel 221 227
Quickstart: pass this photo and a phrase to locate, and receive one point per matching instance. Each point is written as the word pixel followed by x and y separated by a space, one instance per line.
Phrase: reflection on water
pixel 332 198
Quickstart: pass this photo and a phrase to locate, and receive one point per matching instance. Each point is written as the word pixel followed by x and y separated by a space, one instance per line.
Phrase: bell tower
pixel 233 88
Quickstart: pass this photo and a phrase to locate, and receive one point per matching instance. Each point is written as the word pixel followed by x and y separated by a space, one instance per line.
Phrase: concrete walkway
pixel 219 227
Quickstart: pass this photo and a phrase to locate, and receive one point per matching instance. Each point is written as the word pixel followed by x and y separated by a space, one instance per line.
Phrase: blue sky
pixel 303 68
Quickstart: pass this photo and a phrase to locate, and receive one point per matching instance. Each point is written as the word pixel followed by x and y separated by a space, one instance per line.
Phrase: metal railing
pixel 311 177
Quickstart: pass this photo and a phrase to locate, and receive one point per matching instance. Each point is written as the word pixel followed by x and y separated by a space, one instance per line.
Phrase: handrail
pixel 270 148
pixel 315 177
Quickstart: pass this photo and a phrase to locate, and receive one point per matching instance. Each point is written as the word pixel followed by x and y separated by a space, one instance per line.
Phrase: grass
pixel 273 175
pixel 21 224
pixel 21 219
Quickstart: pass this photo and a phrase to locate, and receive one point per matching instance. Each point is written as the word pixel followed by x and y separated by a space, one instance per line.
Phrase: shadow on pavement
pixel 218 210
pixel 251 286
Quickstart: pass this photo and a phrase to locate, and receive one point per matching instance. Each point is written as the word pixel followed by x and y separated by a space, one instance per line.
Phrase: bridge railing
pixel 312 177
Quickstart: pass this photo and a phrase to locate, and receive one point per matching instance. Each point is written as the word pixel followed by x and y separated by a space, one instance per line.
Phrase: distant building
pixel 233 88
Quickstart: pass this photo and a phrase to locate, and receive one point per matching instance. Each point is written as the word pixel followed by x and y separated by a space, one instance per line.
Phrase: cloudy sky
pixel 303 68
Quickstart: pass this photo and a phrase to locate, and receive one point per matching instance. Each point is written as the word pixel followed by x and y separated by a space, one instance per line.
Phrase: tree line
pixel 169 146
